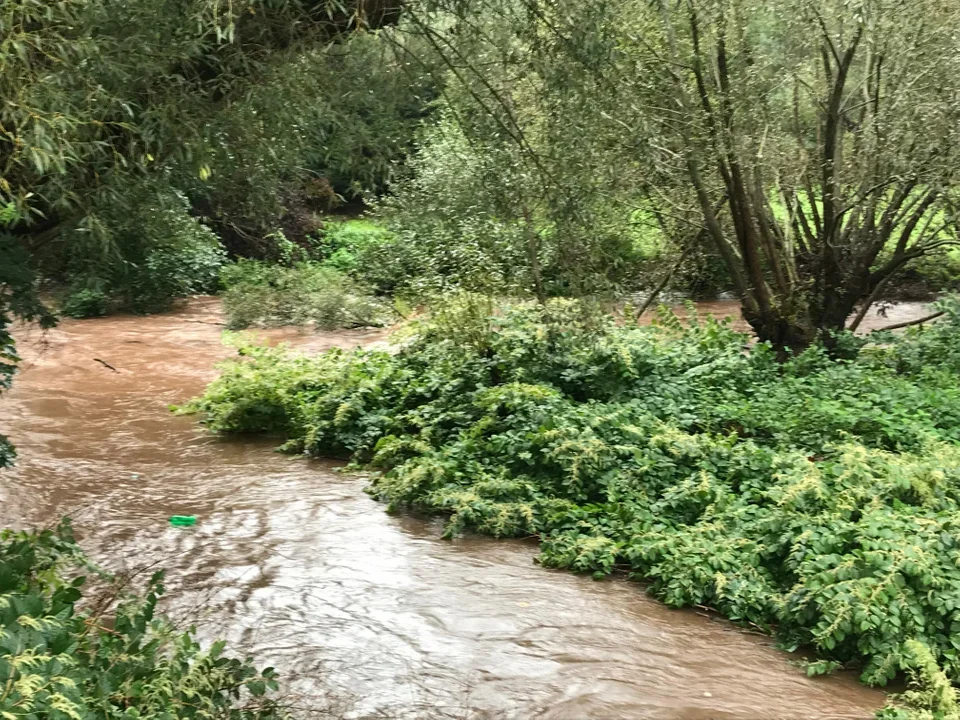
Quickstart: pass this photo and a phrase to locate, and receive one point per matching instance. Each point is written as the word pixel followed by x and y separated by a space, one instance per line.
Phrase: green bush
pixel 67 655
pixel 818 498
pixel 265 295
pixel 86 302
pixel 143 260
pixel 189 265
pixel 474 212
pixel 372 254
pixel 344 243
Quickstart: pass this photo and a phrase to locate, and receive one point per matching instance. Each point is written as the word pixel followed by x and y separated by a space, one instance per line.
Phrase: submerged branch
pixel 918 321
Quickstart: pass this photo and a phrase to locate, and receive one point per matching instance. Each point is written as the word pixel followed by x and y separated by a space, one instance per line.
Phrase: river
pixel 364 613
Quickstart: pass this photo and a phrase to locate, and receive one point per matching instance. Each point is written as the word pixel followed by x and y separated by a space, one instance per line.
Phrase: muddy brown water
pixel 878 317
pixel 368 613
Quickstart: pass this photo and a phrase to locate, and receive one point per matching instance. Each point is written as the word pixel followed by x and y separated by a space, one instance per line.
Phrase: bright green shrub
pixel 262 294
pixel 372 254
pixel 386 261
pixel 819 498
pixel 344 244
pixel 64 655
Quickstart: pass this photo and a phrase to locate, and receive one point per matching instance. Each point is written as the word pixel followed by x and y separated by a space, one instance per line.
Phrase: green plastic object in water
pixel 183 520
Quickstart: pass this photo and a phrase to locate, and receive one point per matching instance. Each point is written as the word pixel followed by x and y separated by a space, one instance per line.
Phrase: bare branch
pixel 918 321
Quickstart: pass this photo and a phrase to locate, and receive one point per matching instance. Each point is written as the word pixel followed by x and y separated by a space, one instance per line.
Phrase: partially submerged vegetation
pixel 801 156
pixel 107 654
pixel 816 499
pixel 264 295
pixel 332 283
pixel 166 255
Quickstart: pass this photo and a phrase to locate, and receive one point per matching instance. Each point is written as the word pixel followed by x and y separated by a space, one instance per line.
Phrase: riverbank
pixel 294 563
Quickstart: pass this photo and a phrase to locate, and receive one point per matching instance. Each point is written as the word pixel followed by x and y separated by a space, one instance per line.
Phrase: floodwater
pixel 364 613
pixel 879 316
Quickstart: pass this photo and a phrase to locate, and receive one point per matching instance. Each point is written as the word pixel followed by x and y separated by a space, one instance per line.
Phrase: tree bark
pixel 533 254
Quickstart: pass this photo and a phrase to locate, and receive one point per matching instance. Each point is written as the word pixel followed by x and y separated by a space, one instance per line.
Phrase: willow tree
pixel 830 129
pixel 817 141
pixel 504 194
pixel 98 90
pixel 100 96
pixel 813 143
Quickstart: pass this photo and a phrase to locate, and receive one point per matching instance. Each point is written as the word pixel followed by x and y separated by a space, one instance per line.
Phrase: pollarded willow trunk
pixel 788 334
pixel 816 319
pixel 825 195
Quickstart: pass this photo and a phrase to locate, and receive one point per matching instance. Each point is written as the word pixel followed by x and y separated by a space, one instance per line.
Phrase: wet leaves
pixel 60 661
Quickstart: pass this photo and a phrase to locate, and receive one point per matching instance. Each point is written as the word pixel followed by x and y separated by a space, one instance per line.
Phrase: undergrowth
pixel 306 293
pixel 66 655
pixel 818 499
pixel 344 245
pixel 140 259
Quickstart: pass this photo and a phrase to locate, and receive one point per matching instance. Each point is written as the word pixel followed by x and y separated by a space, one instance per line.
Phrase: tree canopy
pixel 812 145
pixel 113 109
pixel 97 92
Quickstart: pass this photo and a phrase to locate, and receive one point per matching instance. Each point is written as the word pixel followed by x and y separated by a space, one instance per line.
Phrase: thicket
pixel 323 130
pixel 346 276
pixel 818 499
pixel 306 293
pixel 156 252
pixel 347 246
pixel 133 131
pixel 65 653
pixel 471 212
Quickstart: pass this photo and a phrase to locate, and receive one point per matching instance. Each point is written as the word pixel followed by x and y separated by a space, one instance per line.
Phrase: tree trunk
pixel 533 254
pixel 789 334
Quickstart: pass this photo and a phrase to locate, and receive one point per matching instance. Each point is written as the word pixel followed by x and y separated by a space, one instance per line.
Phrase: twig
pixel 871 299
pixel 663 283
pixel 106 365
pixel 92 624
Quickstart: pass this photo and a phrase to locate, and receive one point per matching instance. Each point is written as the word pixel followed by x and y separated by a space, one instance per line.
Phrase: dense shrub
pixel 372 254
pixel 157 253
pixel 308 293
pixel 86 302
pixel 818 498
pixel 473 212
pixel 64 654
pixel 344 245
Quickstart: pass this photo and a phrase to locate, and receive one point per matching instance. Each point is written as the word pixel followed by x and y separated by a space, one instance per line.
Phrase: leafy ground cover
pixel 66 654
pixel 818 498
